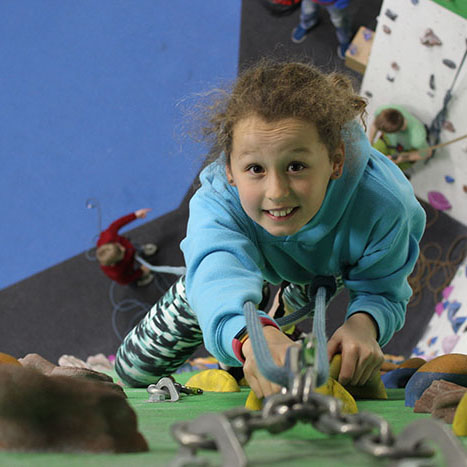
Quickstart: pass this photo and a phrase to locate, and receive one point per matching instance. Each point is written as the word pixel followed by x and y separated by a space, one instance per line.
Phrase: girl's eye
pixel 296 166
pixel 255 169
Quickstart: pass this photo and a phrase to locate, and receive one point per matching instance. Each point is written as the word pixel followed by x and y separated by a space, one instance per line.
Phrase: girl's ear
pixel 338 161
pixel 229 175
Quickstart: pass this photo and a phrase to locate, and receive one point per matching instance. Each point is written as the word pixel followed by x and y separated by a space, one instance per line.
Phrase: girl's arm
pixel 119 223
pixel 223 268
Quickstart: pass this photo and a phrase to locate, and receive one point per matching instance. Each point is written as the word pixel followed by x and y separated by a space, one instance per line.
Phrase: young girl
pixel 296 192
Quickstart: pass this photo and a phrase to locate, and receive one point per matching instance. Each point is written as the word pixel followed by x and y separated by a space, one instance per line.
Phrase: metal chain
pixel 370 432
pixel 228 431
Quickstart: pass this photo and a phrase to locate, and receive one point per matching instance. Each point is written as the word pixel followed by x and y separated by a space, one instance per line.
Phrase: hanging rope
pixel 323 289
pixel 430 267
pixel 177 270
pixel 136 307
pixel 436 146
pixel 437 123
pixel 92 203
pixel 129 305
pixel 433 273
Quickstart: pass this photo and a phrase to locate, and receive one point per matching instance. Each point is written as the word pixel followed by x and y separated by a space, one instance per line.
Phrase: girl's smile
pixel 279 215
pixel 281 170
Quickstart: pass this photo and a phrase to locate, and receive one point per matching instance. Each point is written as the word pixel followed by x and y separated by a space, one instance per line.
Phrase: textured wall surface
pixel 411 87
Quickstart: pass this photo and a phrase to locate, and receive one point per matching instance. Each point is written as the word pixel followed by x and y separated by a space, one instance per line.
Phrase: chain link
pixel 370 432
pixel 230 430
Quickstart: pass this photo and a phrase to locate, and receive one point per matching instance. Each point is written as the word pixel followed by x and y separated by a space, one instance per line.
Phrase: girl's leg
pixel 309 14
pixel 161 342
pixel 295 296
pixel 340 18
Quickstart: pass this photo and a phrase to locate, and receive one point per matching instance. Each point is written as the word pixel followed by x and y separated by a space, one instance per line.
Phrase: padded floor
pixel 302 445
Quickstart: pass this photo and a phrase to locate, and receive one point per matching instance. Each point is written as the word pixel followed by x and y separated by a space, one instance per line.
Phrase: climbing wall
pixel 402 70
pixel 446 331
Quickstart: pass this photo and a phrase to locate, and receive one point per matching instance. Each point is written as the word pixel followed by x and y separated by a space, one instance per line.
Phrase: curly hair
pixel 389 121
pixel 274 91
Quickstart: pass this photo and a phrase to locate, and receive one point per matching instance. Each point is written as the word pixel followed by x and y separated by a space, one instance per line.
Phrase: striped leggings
pixel 161 342
pixel 169 334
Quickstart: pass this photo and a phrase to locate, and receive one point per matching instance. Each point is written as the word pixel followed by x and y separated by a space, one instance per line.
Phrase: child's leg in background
pixel 308 14
pixel 340 18
pixel 161 342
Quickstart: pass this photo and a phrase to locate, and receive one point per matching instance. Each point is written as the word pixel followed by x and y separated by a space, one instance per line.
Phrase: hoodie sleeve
pixel 223 269
pixel 378 282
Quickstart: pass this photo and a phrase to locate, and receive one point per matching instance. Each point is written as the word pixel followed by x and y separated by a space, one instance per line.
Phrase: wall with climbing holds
pixel 417 61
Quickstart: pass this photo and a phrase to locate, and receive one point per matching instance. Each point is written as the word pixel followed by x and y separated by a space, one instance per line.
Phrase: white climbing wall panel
pixel 410 87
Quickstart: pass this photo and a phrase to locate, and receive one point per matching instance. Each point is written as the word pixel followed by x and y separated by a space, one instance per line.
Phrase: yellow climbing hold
pixel 243 382
pixel 252 402
pixel 459 424
pixel 8 359
pixel 373 389
pixel 335 389
pixel 214 381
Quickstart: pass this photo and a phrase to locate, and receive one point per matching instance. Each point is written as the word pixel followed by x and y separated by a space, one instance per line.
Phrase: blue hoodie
pixel 367 230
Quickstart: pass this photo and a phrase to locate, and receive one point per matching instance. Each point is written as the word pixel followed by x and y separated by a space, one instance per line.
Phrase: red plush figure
pixel 116 254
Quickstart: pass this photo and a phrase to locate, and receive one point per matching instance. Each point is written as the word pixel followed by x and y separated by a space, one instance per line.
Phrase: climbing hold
pixel 436 388
pixel 432 341
pixel 367 34
pixel 353 49
pixel 398 378
pixel 390 78
pixel 335 389
pixel 388 366
pixel 451 367
pixel 448 125
pixel 390 14
pixel 438 201
pixel 449 179
pixel 415 2
pixel 465 188
pixel 386 29
pixel 447 291
pixel 449 342
pixel 368 94
pixel 395 66
pixel 431 94
pixel 8 359
pixel 445 405
pixel 252 402
pixel 214 381
pixel 459 424
pixel 449 63
pixel 432 82
pixel 373 389
pixel 430 38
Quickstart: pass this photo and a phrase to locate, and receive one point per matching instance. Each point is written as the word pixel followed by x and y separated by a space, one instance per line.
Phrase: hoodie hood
pixel 340 191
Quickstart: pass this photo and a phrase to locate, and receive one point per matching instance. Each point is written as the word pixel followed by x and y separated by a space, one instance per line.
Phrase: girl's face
pixel 282 171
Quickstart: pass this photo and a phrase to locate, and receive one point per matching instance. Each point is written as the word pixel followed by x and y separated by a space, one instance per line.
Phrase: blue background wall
pixel 89 94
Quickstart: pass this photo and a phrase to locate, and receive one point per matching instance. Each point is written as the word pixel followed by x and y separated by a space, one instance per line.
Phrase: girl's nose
pixel 277 187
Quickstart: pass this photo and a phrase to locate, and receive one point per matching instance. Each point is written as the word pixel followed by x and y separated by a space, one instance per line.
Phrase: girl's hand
pixel 278 343
pixel 361 353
